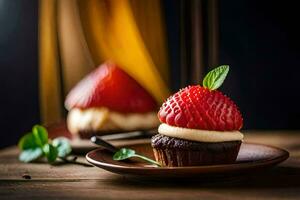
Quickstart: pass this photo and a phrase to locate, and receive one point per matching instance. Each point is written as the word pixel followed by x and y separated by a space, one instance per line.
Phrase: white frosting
pixel 103 119
pixel 199 135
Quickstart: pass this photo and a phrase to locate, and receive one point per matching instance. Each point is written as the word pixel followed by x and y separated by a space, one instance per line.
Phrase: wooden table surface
pixel 78 182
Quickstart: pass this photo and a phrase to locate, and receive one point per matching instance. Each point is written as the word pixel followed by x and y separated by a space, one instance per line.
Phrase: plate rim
pixel 213 168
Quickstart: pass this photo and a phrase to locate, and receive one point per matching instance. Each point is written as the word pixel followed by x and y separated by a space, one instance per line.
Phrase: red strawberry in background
pixel 204 107
pixel 109 86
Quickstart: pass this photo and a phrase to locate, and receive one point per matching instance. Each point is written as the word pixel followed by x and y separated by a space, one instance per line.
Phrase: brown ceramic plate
pixel 251 158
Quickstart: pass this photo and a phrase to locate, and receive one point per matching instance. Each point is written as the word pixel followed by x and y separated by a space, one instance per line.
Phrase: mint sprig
pixel 215 78
pixel 29 155
pixel 125 153
pixel 63 146
pixel 35 145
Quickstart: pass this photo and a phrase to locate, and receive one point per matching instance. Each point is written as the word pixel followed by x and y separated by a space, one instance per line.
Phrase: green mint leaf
pixel 40 135
pixel 123 154
pixel 51 152
pixel 27 142
pixel 147 159
pixel 36 144
pixel 29 155
pixel 215 78
pixel 62 145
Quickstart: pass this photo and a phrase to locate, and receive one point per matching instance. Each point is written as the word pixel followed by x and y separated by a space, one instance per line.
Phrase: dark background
pixel 258 39
pixel 18 69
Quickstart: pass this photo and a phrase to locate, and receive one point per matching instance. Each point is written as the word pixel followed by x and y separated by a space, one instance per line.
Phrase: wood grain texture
pixel 78 182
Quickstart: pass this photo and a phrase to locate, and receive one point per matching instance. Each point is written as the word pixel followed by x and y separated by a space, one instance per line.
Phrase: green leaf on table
pixel 29 155
pixel 123 154
pixel 40 135
pixel 62 145
pixel 36 144
pixel 51 152
pixel 27 142
pixel 215 78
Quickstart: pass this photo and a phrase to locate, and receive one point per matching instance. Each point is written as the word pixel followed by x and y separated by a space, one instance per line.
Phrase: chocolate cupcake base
pixel 174 152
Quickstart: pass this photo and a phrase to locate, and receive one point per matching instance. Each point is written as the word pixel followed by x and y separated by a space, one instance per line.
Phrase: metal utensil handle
pixel 97 140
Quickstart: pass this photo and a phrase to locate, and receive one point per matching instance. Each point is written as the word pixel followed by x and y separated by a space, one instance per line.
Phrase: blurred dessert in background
pixel 108 100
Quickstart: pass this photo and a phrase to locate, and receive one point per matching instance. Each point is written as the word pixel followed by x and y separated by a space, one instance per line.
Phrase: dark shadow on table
pixel 278 177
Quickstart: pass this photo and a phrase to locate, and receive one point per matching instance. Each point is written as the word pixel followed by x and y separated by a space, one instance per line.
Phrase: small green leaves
pixel 27 142
pixel 62 145
pixel 36 144
pixel 50 152
pixel 125 153
pixel 215 78
pixel 40 135
pixel 29 155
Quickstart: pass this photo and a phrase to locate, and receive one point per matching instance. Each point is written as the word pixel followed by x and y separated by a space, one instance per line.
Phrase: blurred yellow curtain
pixel 76 36
pixel 49 81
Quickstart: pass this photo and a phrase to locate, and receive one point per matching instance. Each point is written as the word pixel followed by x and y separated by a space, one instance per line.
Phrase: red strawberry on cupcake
pixel 109 100
pixel 200 125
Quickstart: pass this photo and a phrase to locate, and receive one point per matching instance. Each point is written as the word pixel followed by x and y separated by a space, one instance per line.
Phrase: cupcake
pixel 199 125
pixel 108 100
